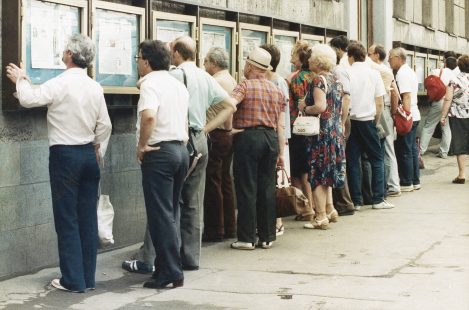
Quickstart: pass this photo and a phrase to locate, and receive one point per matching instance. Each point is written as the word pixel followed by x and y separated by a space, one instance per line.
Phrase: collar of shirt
pixel 149 75
pixel 257 76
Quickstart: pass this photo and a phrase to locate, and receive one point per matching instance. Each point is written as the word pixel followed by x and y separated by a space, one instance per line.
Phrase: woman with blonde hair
pixel 327 169
pixel 299 157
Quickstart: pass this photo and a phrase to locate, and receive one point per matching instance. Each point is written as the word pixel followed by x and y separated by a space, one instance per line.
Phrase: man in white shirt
pixel 78 123
pixel 406 146
pixel 163 156
pixel 377 55
pixel 434 114
pixel 366 105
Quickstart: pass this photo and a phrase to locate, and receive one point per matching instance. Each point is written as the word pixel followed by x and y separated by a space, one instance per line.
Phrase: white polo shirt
pixel 162 93
pixel 76 109
pixel 365 85
pixel 446 76
pixel 407 82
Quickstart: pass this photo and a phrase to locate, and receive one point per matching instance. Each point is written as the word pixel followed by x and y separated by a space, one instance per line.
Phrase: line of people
pixel 353 161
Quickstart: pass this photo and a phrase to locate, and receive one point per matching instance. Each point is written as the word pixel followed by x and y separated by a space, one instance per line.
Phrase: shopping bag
pixel 105 221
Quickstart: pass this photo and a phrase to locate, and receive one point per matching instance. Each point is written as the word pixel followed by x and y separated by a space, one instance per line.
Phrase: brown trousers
pixel 219 207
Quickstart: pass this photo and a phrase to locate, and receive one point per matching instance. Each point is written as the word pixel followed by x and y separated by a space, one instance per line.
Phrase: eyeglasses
pixel 137 57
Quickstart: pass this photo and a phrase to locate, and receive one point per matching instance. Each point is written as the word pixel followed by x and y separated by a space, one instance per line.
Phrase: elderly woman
pixel 327 149
pixel 456 106
pixel 78 123
pixel 299 157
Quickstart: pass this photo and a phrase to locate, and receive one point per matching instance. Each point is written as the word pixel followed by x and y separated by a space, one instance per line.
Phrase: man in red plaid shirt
pixel 258 149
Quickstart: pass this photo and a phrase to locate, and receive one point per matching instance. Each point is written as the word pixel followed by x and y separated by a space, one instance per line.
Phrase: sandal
pixel 279 230
pixel 458 180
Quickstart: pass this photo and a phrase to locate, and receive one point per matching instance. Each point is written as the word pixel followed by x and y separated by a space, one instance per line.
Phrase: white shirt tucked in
pixel 407 82
pixel 76 113
pixel 169 99
pixel 365 85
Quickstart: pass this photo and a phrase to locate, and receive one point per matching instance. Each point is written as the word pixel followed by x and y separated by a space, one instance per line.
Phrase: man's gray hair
pixel 219 57
pixel 82 48
pixel 399 52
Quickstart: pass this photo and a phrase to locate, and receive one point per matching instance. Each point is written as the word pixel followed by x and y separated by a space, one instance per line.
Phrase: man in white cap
pixel 258 149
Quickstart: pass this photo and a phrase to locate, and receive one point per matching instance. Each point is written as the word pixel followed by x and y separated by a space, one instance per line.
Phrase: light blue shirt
pixel 203 90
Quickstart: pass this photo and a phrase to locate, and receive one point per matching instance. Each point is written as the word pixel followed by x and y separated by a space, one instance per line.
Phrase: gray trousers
pixel 390 163
pixel 192 217
pixel 432 119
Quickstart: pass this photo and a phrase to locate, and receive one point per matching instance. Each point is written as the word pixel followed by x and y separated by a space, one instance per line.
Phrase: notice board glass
pixel 420 69
pixel 46 26
pixel 285 41
pixel 251 36
pixel 117 32
pixel 217 33
pixel 167 27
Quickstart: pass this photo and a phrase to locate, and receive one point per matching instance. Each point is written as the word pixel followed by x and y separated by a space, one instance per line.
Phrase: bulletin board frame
pixel 39 76
pixel 432 57
pixel 312 38
pixel 175 18
pixel 115 87
pixel 258 29
pixel 412 59
pixel 421 77
pixel 284 33
pixel 233 40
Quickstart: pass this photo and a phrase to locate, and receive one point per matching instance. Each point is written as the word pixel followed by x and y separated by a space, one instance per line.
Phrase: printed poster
pixel 284 67
pixel 115 47
pixel 166 34
pixel 212 39
pixel 51 26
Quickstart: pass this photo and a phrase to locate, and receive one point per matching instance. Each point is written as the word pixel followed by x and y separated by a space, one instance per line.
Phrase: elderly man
pixel 78 123
pixel 257 151
pixel 219 208
pixel 406 147
pixel 377 55
pixel 366 104
pixel 204 92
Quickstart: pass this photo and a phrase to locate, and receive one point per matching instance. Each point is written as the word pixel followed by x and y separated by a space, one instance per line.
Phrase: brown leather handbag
pixel 290 200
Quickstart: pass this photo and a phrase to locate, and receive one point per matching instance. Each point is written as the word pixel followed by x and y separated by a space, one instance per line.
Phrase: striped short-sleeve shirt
pixel 261 103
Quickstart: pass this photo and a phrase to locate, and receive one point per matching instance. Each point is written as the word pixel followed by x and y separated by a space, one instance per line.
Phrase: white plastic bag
pixel 105 221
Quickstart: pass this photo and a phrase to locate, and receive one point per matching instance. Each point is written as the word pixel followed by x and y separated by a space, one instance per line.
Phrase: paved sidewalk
pixel 415 256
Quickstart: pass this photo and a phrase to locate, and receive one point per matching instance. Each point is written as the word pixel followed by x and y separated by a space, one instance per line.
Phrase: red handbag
pixel 403 121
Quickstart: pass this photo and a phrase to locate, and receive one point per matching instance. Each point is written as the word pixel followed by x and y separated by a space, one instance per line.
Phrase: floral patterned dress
pixel 327 149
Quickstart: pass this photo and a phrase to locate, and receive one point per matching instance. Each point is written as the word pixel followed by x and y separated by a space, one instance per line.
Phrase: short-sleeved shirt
pixel 261 103
pixel 299 85
pixel 343 76
pixel 203 90
pixel 365 86
pixel 228 83
pixel 460 104
pixel 407 82
pixel 283 85
pixel 162 93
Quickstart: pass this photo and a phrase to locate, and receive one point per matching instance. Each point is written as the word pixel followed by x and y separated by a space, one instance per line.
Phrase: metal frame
pixel 234 39
pixel 140 12
pixel 411 53
pixel 157 15
pixel 311 37
pixel 435 57
pixel 244 26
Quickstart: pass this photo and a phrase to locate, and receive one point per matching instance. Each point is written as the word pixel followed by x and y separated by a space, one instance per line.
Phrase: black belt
pixel 166 142
pixel 259 128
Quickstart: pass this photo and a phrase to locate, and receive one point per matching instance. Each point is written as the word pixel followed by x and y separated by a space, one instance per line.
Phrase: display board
pixel 217 33
pixel 285 41
pixel 46 26
pixel 167 27
pixel 410 59
pixel 432 63
pixel 312 39
pixel 117 31
pixel 251 36
pixel 421 71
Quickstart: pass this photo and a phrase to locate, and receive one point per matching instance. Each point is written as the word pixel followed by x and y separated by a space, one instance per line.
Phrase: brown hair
pixel 463 63
pixel 303 50
pixel 274 53
pixel 357 51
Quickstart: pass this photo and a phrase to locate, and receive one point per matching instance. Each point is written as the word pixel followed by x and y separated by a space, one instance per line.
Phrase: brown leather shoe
pixel 458 180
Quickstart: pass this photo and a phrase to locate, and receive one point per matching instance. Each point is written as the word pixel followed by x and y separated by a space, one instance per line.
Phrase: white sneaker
pixel 409 188
pixel 417 187
pixel 383 205
pixel 238 245
pixel 358 207
pixel 265 245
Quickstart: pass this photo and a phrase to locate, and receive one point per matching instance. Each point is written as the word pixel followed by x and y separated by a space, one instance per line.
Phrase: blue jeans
pixel 74 179
pixel 407 154
pixel 163 174
pixel 364 139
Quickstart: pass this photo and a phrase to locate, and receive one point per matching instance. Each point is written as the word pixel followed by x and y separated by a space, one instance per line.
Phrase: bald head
pixel 184 48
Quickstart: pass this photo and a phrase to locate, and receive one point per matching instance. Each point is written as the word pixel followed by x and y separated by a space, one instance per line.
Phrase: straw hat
pixel 260 58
